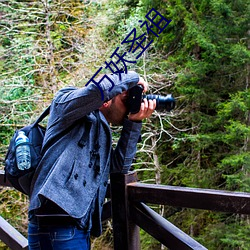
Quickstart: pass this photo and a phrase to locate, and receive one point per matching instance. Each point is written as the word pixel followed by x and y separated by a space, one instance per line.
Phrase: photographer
pixel 70 185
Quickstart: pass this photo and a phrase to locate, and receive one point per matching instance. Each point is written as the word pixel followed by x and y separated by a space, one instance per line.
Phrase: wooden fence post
pixel 126 233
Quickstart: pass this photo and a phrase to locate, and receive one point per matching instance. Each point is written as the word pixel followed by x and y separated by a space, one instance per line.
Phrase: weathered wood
pixel 106 212
pixel 162 230
pixel 125 192
pixel 2 181
pixel 208 199
pixel 125 231
pixel 11 237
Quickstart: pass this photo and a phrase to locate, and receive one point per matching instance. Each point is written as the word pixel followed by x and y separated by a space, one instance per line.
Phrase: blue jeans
pixel 57 238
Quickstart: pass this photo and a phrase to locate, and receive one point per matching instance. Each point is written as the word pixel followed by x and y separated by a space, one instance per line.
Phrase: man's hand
pixel 147 108
pixel 144 84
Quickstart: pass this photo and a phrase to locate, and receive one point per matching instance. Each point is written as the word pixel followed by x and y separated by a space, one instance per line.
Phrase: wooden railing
pixel 129 212
pixel 8 234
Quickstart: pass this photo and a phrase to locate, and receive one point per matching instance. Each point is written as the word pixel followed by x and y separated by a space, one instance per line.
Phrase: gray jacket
pixel 67 174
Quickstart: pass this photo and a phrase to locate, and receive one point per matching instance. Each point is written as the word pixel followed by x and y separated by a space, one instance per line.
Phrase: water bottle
pixel 23 156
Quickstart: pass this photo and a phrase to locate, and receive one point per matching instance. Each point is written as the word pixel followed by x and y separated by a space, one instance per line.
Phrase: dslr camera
pixel 135 97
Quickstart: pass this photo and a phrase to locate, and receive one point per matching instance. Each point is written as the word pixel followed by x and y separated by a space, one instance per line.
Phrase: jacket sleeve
pixel 124 153
pixel 72 104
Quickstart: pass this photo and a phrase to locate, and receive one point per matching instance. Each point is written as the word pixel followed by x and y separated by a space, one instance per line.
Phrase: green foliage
pixel 148 242
pixel 222 235
pixel 14 208
pixel 42 47
pixel 202 57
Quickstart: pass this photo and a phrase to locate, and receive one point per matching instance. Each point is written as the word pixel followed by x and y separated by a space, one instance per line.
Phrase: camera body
pixel 135 97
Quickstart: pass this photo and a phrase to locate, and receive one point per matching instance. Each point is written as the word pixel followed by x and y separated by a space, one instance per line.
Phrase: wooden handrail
pixel 134 193
pixel 161 229
pixel 4 182
pixel 129 212
pixel 11 237
pixel 208 199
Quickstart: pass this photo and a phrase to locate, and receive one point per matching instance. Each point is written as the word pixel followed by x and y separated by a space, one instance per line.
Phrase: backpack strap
pixel 43 115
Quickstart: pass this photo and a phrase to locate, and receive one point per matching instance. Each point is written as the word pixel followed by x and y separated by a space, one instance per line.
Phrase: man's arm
pixel 125 150
pixel 124 153
pixel 71 104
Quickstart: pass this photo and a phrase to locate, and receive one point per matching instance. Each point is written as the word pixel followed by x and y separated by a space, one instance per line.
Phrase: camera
pixel 135 97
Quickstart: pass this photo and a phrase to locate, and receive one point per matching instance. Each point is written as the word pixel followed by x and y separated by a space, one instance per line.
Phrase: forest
pixel 202 58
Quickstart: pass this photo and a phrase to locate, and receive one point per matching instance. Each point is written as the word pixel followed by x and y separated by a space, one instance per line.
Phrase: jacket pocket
pixel 72 173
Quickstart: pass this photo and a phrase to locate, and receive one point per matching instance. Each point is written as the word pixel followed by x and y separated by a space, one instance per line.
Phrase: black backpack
pixel 21 179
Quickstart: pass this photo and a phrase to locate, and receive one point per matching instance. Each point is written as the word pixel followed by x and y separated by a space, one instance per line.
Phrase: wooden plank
pixel 125 231
pixel 11 237
pixel 106 212
pixel 161 229
pixel 2 181
pixel 208 199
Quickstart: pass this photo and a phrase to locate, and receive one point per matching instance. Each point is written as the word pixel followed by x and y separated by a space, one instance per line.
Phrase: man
pixel 69 187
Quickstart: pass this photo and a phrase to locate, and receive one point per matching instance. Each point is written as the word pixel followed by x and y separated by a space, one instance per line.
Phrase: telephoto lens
pixel 162 102
pixel 135 98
